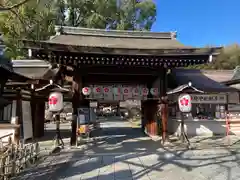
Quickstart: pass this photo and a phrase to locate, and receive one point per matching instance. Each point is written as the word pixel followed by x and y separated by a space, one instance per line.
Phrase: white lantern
pixel 106 90
pixel 154 91
pixel 55 102
pixel 86 91
pixel 185 103
pixel 136 91
pixel 97 90
pixel 145 91
pixel 116 91
pixel 126 91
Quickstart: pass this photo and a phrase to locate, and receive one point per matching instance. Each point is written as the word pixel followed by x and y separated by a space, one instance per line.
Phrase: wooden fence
pixel 15 159
pixel 5 142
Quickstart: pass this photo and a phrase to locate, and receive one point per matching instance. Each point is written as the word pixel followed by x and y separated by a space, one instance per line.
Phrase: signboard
pixel 55 102
pixel 184 103
pixel 93 104
pixel 209 98
pixel 83 115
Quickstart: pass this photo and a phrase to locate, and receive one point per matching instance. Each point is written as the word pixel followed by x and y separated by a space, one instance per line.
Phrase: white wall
pixel 199 128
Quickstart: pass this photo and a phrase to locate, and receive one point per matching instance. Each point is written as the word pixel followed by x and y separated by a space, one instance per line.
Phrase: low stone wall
pixel 198 127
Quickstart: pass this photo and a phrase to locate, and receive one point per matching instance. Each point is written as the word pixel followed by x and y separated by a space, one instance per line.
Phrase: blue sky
pixel 200 22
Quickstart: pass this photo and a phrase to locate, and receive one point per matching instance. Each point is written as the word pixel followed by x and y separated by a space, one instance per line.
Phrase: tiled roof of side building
pixel 34 69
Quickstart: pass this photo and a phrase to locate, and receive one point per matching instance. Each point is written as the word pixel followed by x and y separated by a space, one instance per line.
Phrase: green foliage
pixel 228 59
pixel 33 20
pixel 111 14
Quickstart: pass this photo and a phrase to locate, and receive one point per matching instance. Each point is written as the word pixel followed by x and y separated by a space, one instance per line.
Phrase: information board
pixel 83 115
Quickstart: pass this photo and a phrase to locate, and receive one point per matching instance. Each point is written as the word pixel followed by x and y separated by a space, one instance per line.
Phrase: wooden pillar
pixel 142 116
pixel 75 104
pixel 33 109
pixel 164 103
pixel 19 112
pixel 78 100
pixel 150 114
pixel 39 118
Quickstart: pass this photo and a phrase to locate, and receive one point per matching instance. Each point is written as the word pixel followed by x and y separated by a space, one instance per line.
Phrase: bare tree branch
pixel 2 8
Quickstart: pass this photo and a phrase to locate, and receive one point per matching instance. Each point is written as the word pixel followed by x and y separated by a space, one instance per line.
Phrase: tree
pixel 111 14
pixel 33 20
pixel 228 59
pixel 3 7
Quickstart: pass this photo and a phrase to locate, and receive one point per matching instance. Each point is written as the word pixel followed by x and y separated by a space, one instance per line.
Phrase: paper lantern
pixel 145 91
pixel 154 91
pixel 185 103
pixel 97 90
pixel 55 102
pixel 126 91
pixel 86 91
pixel 136 91
pixel 106 90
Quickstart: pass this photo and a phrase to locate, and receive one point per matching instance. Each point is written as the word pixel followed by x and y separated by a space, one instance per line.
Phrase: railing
pixel 15 159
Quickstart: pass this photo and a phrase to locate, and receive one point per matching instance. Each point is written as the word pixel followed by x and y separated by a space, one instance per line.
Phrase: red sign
pixel 185 103
pixel 52 100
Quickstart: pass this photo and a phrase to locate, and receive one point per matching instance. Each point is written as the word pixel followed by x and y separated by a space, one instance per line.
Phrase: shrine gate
pixel 89 57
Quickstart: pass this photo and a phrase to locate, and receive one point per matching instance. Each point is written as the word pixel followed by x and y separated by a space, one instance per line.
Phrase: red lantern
pixel 86 91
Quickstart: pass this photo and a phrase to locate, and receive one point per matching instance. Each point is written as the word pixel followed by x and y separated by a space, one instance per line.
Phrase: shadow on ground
pixel 122 152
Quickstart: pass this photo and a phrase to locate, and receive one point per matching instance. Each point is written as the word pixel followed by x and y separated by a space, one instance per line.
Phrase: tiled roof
pixel 115 39
pixel 34 69
pixel 200 79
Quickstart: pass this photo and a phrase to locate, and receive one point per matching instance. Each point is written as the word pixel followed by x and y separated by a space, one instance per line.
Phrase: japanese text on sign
pixel 209 98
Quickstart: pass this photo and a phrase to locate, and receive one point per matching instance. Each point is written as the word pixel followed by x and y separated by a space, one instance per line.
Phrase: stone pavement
pixel 120 152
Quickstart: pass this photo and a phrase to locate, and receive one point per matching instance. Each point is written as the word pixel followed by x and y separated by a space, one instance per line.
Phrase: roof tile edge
pixel 68 30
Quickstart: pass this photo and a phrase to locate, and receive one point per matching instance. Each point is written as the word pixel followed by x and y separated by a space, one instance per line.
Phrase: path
pixel 122 153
